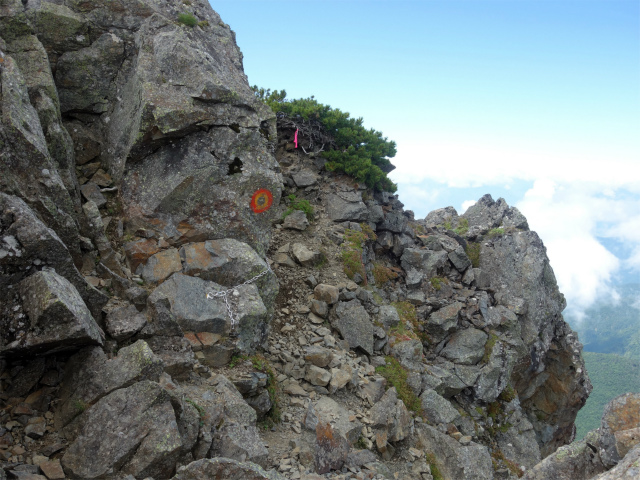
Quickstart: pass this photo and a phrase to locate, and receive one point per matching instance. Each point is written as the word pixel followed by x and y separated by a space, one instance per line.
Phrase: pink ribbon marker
pixel 295 138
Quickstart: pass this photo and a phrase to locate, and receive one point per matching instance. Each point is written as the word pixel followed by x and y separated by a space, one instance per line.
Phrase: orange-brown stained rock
pixel 208 338
pixel 139 251
pixel 622 419
pixel 331 449
pixel 624 413
pixel 161 265
pixel 197 258
pixel 52 469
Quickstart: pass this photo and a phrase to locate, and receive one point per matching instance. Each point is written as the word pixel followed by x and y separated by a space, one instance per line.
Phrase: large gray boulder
pixel 26 243
pixel 466 346
pixel 454 460
pixel 54 318
pixel 346 206
pixel 327 410
pixel 224 468
pixel 549 354
pixel 229 262
pixel 196 313
pixel 90 375
pixel 133 430
pixel 354 325
pixel 27 169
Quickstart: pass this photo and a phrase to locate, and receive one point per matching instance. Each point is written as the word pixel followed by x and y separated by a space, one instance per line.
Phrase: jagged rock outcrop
pixel 161 321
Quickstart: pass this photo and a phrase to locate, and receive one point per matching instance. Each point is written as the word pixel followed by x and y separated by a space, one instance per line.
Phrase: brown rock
pixel 326 293
pixel 139 251
pixel 161 265
pixel 102 178
pixel 331 449
pixel 52 469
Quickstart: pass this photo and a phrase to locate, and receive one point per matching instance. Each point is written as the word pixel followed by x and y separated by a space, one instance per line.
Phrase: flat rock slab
pixel 296 220
pixel 443 321
pixel 466 346
pixel 124 321
pixel 132 430
pixel 225 469
pixel 346 206
pixel 58 318
pixel 355 325
pixel 436 408
pixel 160 266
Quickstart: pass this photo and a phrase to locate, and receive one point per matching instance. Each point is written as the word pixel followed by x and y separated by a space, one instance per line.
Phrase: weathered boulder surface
pixel 615 444
pixel 196 313
pixel 133 430
pixel 90 375
pixel 355 325
pixel 55 318
pixel 327 411
pixel 224 469
pixel 27 244
pixel 471 462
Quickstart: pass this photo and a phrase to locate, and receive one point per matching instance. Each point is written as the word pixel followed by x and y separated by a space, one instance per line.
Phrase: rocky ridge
pixel 163 321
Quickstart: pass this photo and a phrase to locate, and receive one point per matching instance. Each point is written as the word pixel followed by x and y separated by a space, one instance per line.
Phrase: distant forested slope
pixel 613 328
pixel 611 375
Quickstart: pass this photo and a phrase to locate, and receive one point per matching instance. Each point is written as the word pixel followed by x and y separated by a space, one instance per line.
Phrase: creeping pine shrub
pixel 187 19
pixel 361 153
pixel 295 204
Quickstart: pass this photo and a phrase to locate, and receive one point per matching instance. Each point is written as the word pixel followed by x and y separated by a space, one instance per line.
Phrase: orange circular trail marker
pixel 261 200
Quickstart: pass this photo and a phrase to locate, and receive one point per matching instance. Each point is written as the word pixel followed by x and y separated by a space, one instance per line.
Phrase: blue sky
pixel 534 101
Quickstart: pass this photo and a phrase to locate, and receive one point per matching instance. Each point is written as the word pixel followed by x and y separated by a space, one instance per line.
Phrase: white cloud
pixel 468 162
pixel 466 204
pixel 569 217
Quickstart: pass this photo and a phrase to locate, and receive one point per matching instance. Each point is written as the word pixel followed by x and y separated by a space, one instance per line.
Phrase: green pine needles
pixel 359 152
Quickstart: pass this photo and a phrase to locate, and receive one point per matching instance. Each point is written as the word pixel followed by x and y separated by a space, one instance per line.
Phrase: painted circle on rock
pixel 261 200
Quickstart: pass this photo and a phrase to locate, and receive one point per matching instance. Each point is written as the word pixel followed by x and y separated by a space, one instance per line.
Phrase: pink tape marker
pixel 295 138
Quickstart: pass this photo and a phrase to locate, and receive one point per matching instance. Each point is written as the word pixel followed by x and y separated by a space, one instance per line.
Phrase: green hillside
pixel 610 328
pixel 611 375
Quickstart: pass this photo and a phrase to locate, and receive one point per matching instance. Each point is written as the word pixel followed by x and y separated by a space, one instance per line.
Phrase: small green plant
pixel 437 282
pixel 498 457
pixel 187 19
pixel 203 23
pixel 274 415
pixel 488 347
pixel 473 252
pixel 201 411
pixel 303 205
pixel 236 359
pixel 494 232
pixel 350 148
pixel 396 375
pixel 80 405
pixel 508 394
pixel 407 313
pixel 448 225
pixel 382 274
pixel 361 443
pixel 463 226
pixel 435 471
pixel 352 250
